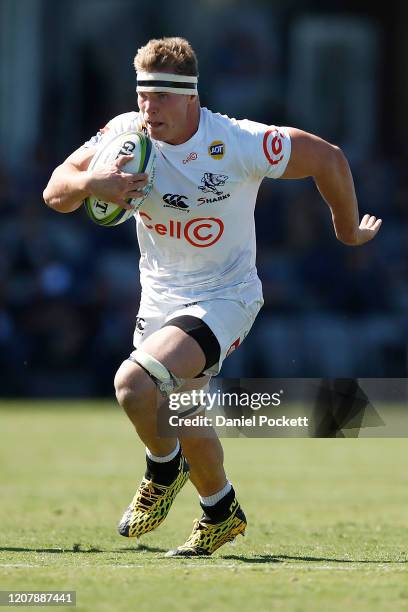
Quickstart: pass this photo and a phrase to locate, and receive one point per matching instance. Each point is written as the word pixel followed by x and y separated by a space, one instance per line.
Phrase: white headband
pixel 166 82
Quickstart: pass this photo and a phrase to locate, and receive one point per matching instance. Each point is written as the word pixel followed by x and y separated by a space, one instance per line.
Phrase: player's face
pixel 169 117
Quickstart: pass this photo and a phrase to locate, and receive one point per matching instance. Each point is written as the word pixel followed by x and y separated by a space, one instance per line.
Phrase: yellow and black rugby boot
pixel 208 535
pixel 154 497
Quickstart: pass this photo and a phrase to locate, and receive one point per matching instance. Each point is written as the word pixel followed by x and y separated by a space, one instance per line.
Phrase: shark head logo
pixel 211 182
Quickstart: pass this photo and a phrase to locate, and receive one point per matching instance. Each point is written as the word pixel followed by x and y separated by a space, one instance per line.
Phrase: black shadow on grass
pixel 140 548
pixel 282 558
pixel 255 559
pixel 76 548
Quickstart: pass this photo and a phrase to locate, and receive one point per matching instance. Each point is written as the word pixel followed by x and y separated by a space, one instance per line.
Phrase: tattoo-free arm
pixel 327 164
pixel 72 182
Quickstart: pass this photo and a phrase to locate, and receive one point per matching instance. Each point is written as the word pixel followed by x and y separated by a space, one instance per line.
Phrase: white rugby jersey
pixel 196 229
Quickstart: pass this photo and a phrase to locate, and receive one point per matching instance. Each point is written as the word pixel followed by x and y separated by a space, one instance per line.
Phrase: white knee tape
pixel 166 381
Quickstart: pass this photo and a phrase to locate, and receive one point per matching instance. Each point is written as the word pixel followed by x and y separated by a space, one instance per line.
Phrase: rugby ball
pixel 144 158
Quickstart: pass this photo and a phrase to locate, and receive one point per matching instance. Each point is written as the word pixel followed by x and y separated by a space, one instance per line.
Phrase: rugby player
pixel 200 288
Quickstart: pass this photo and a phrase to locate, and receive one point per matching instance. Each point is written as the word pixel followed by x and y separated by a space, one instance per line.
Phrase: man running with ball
pixel 200 288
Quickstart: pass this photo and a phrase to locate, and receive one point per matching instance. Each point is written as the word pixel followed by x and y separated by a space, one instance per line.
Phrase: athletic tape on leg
pixel 195 406
pixel 166 381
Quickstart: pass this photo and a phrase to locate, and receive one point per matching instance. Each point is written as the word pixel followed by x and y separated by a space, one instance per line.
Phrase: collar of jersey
pixel 185 146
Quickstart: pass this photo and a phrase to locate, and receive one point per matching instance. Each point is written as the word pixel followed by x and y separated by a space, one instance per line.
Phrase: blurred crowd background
pixel 69 290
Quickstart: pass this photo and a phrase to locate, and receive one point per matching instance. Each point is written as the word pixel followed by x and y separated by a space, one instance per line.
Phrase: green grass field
pixel 328 519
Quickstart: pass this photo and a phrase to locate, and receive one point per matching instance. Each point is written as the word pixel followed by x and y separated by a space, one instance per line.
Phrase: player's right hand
pixel 111 184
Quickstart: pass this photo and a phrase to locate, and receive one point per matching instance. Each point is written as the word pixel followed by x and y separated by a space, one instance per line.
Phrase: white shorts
pixel 229 320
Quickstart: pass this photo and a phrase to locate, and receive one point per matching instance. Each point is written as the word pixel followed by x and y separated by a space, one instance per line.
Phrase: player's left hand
pixel 368 229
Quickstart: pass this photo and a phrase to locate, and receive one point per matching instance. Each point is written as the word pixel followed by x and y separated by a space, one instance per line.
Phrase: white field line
pixel 352 567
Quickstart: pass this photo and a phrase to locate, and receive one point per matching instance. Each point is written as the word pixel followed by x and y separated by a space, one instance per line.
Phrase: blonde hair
pixel 170 54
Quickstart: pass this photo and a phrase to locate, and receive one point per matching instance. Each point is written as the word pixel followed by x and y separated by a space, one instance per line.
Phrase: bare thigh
pixel 175 349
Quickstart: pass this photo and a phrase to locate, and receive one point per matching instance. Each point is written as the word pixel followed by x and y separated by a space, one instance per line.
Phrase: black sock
pixel 162 473
pixel 221 510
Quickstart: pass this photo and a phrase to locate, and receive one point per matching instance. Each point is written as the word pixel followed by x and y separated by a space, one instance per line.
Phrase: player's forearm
pixel 67 188
pixel 336 186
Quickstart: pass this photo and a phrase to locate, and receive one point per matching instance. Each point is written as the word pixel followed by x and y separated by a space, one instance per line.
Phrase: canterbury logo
pixel 175 200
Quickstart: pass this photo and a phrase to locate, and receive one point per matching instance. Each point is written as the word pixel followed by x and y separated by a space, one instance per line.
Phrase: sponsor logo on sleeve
pixel 140 325
pixel 216 149
pixel 233 346
pixel 273 147
pixel 96 139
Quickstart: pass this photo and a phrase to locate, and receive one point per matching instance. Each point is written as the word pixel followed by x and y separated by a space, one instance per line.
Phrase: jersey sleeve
pixel 117 125
pixel 265 149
